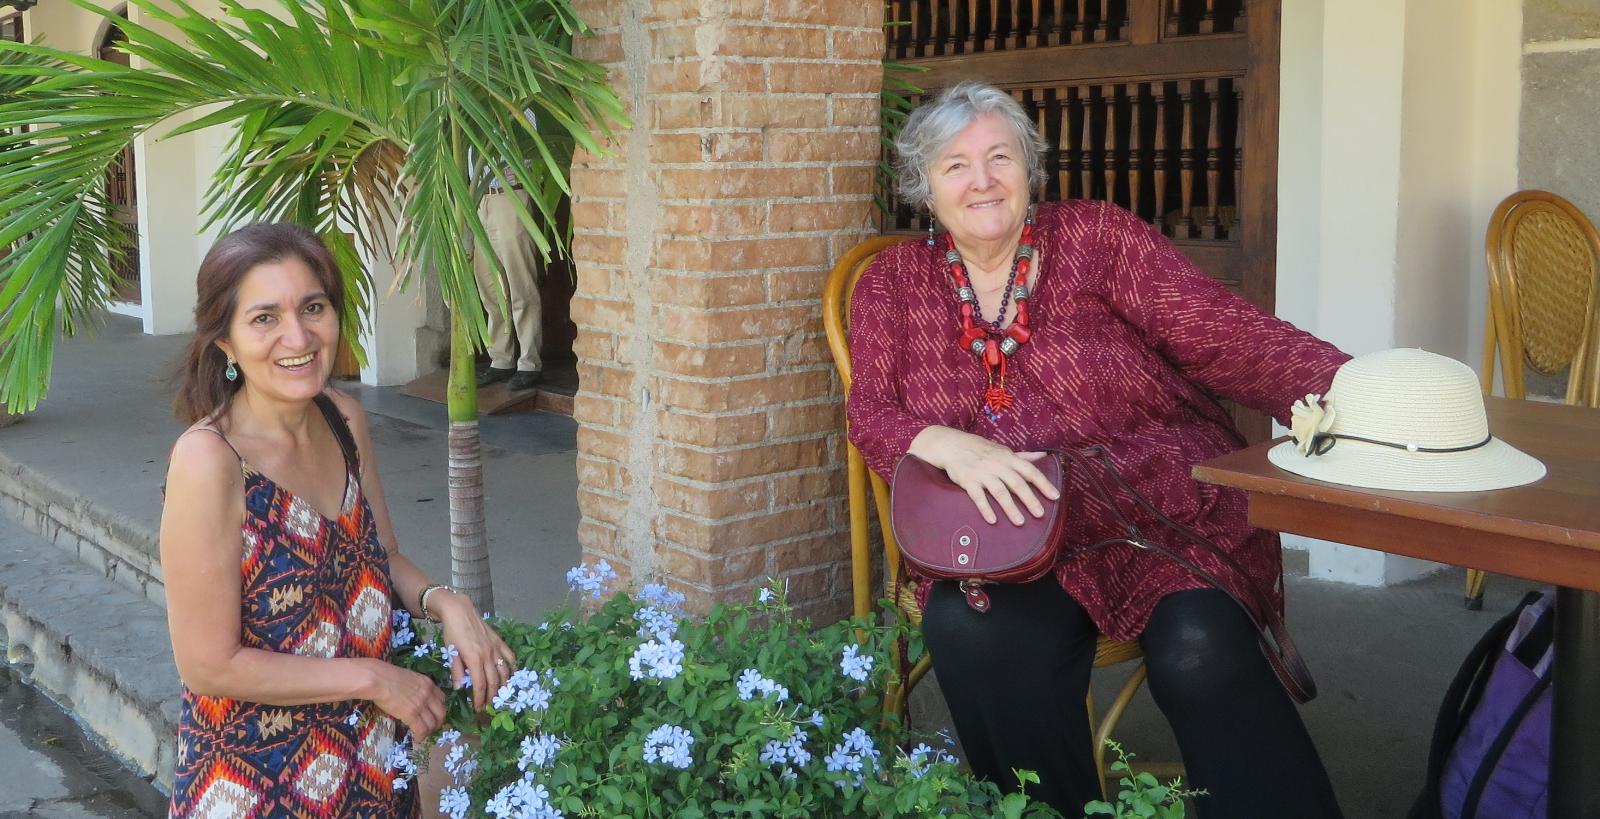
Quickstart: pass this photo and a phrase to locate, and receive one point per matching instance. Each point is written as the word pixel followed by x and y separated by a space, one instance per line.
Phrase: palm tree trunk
pixel 469 538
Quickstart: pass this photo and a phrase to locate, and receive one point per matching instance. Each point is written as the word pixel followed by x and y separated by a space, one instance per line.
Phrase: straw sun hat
pixel 1405 420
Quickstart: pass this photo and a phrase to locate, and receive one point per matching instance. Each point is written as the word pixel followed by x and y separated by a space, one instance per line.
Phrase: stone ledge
pixel 118 548
pixel 100 650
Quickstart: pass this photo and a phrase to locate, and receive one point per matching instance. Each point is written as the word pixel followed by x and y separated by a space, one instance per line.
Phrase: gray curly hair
pixel 937 121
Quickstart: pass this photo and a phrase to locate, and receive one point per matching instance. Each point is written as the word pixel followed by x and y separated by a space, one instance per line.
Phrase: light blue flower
pixel 455 759
pixel 816 718
pixel 447 736
pixel 454 802
pixel 401 637
pixel 447 654
pixel 656 624
pixel 773 592
pixel 837 759
pixel 522 799
pixel 855 665
pixel 751 682
pixel 669 745
pixel 422 650
pixel 661 660
pixel 852 755
pixel 797 747
pixel 354 718
pixel 538 751
pixel 592 582
pixel 787 751
pixel 920 757
pixel 860 742
pixel 399 762
pixel 525 691
pixel 400 618
pixel 663 598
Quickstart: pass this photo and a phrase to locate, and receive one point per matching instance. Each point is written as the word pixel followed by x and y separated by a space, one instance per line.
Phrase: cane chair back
pixel 868 492
pixel 1544 286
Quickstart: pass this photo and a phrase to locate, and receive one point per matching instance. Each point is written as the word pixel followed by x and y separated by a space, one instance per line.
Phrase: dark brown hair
pixel 203 389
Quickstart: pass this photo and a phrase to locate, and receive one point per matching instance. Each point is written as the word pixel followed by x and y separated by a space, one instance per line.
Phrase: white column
pixel 1397 137
pixel 390 334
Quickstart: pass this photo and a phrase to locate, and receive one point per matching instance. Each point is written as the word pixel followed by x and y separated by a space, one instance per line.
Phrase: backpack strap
pixel 341 431
pixel 1514 720
pixel 1460 698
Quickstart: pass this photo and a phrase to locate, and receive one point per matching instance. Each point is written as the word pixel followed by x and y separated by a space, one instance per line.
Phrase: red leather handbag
pixel 942 535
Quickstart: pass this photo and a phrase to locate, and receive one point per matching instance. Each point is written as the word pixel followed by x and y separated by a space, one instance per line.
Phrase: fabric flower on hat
pixel 1309 418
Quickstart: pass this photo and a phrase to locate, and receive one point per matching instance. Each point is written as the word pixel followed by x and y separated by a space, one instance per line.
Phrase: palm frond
pixel 357 118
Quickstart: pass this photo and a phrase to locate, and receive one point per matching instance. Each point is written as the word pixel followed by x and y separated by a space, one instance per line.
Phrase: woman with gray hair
pixel 1025 327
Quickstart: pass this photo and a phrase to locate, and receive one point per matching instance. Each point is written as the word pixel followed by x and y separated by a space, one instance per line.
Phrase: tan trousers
pixel 519 283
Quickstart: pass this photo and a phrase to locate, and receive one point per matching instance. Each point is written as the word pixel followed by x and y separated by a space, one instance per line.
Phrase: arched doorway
pixel 120 189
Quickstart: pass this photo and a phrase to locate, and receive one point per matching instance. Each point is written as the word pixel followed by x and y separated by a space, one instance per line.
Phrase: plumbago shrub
pixel 627 707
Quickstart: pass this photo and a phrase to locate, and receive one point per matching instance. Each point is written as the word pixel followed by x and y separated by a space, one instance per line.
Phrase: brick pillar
pixel 709 446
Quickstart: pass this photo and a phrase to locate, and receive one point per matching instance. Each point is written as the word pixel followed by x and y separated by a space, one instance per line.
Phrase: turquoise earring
pixel 232 372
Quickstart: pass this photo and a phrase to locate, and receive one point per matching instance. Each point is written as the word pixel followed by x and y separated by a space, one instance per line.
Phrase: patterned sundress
pixel 313 586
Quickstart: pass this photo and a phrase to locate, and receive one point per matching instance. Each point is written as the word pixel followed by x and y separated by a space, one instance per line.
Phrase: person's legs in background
pixel 492 291
pixel 521 259
pixel 1015 679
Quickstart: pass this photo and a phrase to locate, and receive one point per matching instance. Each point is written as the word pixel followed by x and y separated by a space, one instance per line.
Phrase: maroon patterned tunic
pixel 1128 337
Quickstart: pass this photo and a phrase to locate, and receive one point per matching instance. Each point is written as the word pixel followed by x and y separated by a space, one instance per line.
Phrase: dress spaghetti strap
pixel 219 434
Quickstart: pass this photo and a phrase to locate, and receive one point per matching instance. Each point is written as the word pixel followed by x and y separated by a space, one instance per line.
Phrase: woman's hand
pixel 480 651
pixel 407 696
pixel 986 469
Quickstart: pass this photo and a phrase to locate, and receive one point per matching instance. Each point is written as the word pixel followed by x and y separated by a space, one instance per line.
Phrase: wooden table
pixel 1547 531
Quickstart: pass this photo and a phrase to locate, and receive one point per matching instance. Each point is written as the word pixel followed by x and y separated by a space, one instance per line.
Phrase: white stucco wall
pixel 1496 83
pixel 1397 138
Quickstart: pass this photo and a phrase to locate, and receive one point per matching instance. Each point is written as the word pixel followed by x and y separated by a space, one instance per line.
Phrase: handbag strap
pixel 1281 653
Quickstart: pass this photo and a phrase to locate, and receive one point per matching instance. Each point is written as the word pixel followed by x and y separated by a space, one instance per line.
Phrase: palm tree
pixel 340 110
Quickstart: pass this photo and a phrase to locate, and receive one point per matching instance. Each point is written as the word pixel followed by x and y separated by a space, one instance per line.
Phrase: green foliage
pixel 894 106
pixel 604 704
pixel 1141 795
pixel 357 118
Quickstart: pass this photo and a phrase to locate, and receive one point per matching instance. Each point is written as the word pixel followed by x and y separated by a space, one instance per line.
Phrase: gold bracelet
pixel 422 600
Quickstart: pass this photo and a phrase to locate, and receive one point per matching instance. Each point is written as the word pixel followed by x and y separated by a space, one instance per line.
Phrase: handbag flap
pixel 941 531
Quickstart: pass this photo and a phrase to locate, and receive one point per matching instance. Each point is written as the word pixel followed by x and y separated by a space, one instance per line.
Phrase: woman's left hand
pixel 479 650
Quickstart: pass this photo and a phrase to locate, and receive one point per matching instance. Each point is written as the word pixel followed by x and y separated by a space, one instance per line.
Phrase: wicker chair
pixel 1544 259
pixel 835 313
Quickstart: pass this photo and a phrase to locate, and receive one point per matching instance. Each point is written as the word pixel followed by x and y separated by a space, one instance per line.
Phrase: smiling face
pixel 284 333
pixel 980 183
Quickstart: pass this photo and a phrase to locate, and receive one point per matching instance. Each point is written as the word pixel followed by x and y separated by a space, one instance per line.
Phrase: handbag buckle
pixel 977 598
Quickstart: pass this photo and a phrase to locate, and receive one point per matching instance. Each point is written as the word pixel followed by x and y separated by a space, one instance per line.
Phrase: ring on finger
pixel 500 662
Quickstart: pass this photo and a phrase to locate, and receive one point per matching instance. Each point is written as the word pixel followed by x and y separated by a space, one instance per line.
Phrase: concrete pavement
pixel 50 769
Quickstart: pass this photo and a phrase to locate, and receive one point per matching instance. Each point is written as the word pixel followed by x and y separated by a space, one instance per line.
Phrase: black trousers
pixel 1016 677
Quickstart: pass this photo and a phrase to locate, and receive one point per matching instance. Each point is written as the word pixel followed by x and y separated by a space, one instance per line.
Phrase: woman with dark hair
pixel 280 562
pixel 1033 326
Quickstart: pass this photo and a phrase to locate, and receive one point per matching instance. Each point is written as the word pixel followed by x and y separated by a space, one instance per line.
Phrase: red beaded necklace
pixel 992 345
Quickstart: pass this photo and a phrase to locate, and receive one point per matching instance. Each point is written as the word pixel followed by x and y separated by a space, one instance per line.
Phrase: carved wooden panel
pixel 1168 108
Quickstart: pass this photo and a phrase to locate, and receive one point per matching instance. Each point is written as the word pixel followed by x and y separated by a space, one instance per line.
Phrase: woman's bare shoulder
pixel 203 464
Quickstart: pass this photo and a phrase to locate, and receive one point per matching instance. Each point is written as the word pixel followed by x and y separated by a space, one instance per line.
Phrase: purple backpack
pixel 1491 744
